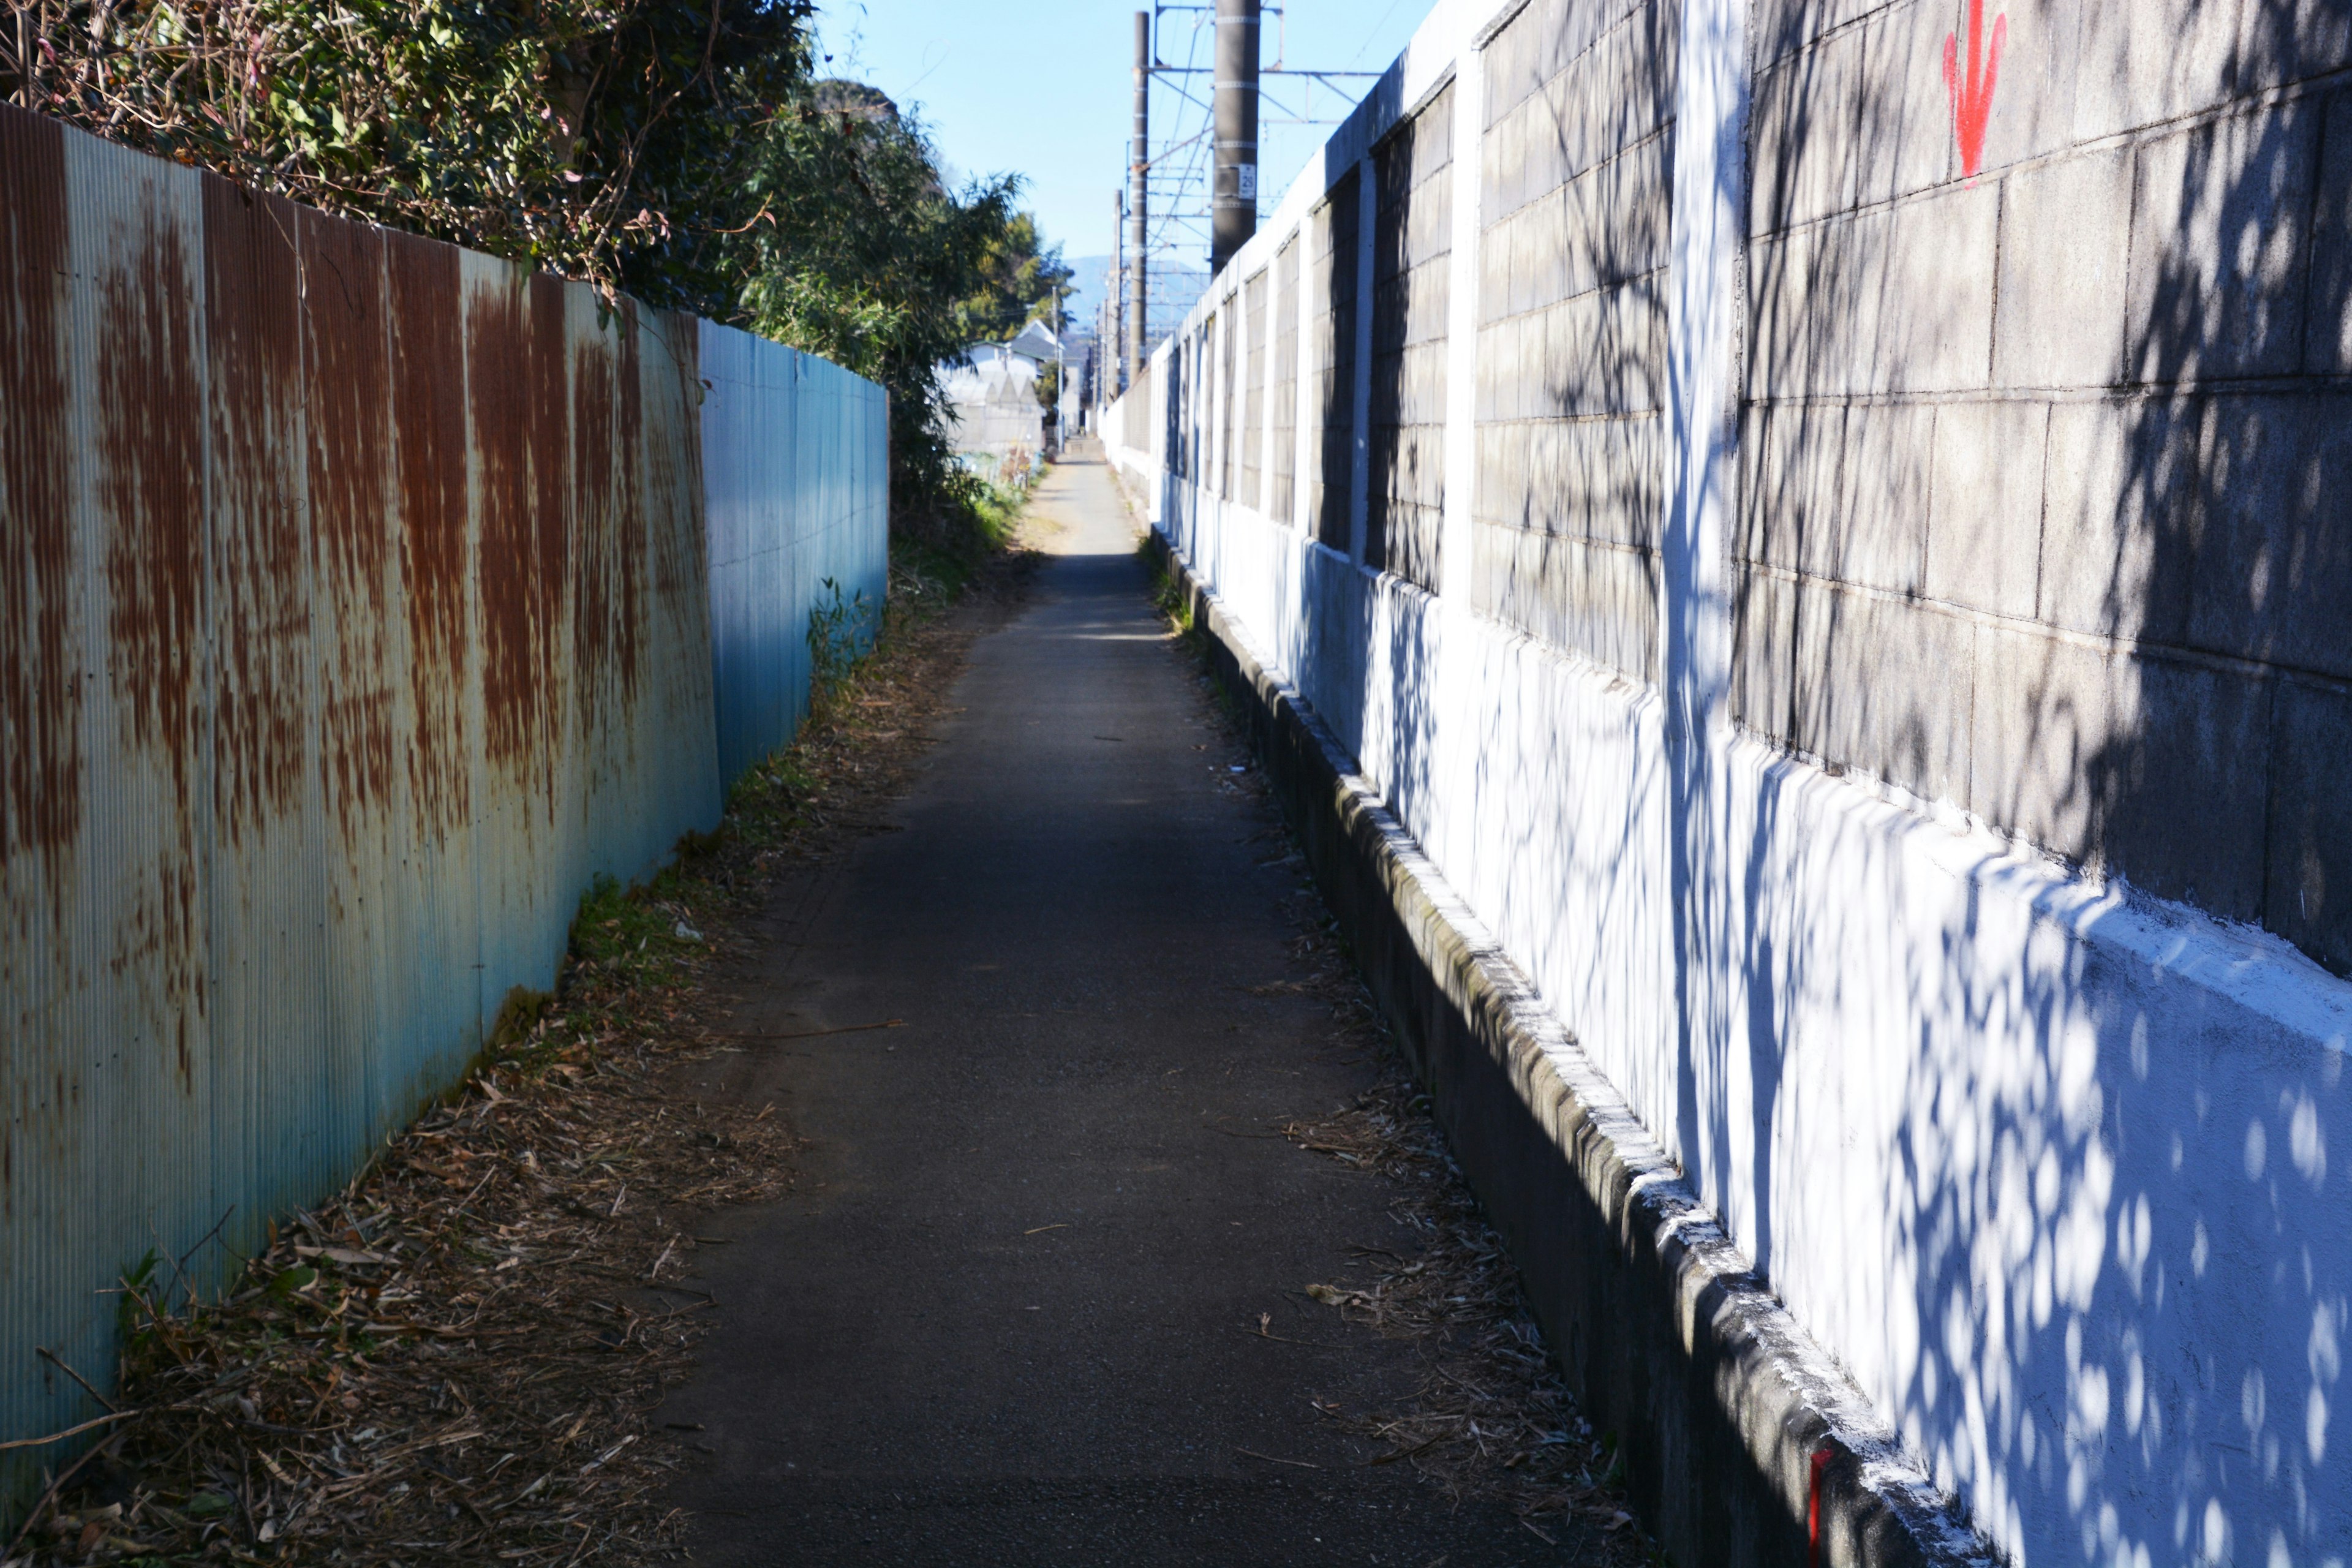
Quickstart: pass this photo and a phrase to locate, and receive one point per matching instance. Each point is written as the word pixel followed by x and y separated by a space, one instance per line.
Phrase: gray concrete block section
pixel 1890 300
pixel 2219 247
pixel 1764 653
pixel 1591 478
pixel 1784 26
pixel 1842 491
pixel 2285 41
pixel 2274 556
pixel 1884 494
pixel 2327 333
pixel 1902 131
pixel 2107 758
pixel 1719 1400
pixel 2118 533
pixel 1984 525
pixel 1884 686
pixel 1599 600
pixel 2033 104
pixel 1807 160
pixel 2065 252
pixel 2152 61
pixel 2309 891
pixel 1603 352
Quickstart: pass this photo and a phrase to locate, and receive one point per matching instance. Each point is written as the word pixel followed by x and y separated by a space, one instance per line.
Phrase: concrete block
pixel 1550 158
pixel 1805 155
pixel 1784 336
pixel 1797 451
pixel 1505 497
pixel 1496 374
pixel 2033 102
pixel 1784 26
pixel 1514 60
pixel 1752 536
pixel 1571 28
pixel 2120 518
pixel 2309 895
pixel 1597 600
pixel 1984 524
pixel 1634 198
pixel 1604 352
pixel 1843 492
pixel 1593 479
pixel 2284 41
pixel 2143 766
pixel 1763 653
pixel 1890 299
pixel 1878 535
pixel 2273 554
pixel 1554 221
pixel 1884 685
pixel 2327 334
pixel 2065 248
pixel 1931 306
pixel 2219 247
pixel 1499 286
pixel 2151 61
pixel 1902 135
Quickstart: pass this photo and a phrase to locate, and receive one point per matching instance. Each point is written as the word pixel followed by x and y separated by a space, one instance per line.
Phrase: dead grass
pixel 454 1360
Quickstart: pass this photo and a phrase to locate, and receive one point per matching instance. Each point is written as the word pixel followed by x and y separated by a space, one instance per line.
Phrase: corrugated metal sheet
pixel 355 611
pixel 786 516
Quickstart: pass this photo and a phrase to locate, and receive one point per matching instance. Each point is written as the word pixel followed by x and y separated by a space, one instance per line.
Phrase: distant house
pixel 999 426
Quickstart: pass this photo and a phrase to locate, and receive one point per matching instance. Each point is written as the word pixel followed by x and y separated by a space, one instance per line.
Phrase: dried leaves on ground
pixel 455 1359
pixel 1491 1416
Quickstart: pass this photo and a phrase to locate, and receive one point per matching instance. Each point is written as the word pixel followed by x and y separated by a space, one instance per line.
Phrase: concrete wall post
pixel 1360 452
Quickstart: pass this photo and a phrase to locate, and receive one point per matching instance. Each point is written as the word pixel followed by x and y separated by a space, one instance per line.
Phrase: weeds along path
pixel 456 1360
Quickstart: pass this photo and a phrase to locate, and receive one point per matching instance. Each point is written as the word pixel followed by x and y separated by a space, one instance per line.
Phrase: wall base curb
pixel 1743 1443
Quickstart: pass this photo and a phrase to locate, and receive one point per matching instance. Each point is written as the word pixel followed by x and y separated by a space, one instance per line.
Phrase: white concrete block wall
pixel 2059 1172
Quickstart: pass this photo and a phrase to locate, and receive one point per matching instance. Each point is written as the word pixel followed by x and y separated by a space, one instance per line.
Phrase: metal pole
pixel 1138 290
pixel 1232 205
pixel 1114 312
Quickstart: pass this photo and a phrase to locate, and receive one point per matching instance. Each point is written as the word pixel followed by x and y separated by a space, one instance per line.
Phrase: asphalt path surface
pixel 1011 1314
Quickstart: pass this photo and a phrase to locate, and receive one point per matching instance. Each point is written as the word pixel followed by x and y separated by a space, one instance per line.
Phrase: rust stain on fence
pixel 608 612
pixel 514 362
pixel 428 409
pixel 40 577
pixel 148 462
pixel 346 397
pixel 253 340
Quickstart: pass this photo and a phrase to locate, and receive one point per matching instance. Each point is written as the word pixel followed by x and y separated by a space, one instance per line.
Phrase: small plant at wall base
pixel 839 630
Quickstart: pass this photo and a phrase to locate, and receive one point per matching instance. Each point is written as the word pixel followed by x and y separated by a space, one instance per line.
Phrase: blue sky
pixel 1043 91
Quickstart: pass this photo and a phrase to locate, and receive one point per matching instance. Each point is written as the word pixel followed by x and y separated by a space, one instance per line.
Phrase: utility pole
pixel 1114 316
pixel 1140 168
pixel 1233 205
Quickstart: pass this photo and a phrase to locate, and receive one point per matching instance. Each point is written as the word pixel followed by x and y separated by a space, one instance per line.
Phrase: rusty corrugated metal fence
pixel 355 611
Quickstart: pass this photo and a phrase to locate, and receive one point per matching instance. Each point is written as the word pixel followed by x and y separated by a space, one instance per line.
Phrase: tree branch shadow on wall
pixel 2103 1287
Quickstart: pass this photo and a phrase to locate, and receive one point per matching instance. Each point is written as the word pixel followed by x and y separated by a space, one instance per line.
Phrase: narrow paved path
pixel 1009 1317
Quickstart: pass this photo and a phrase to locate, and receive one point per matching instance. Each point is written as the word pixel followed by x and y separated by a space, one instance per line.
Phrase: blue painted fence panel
pixel 797 482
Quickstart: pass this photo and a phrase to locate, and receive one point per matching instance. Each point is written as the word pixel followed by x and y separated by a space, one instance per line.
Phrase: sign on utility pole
pixel 1140 169
pixel 1233 207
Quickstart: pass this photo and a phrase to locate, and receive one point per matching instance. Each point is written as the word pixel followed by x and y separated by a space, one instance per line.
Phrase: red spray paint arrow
pixel 1972 98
